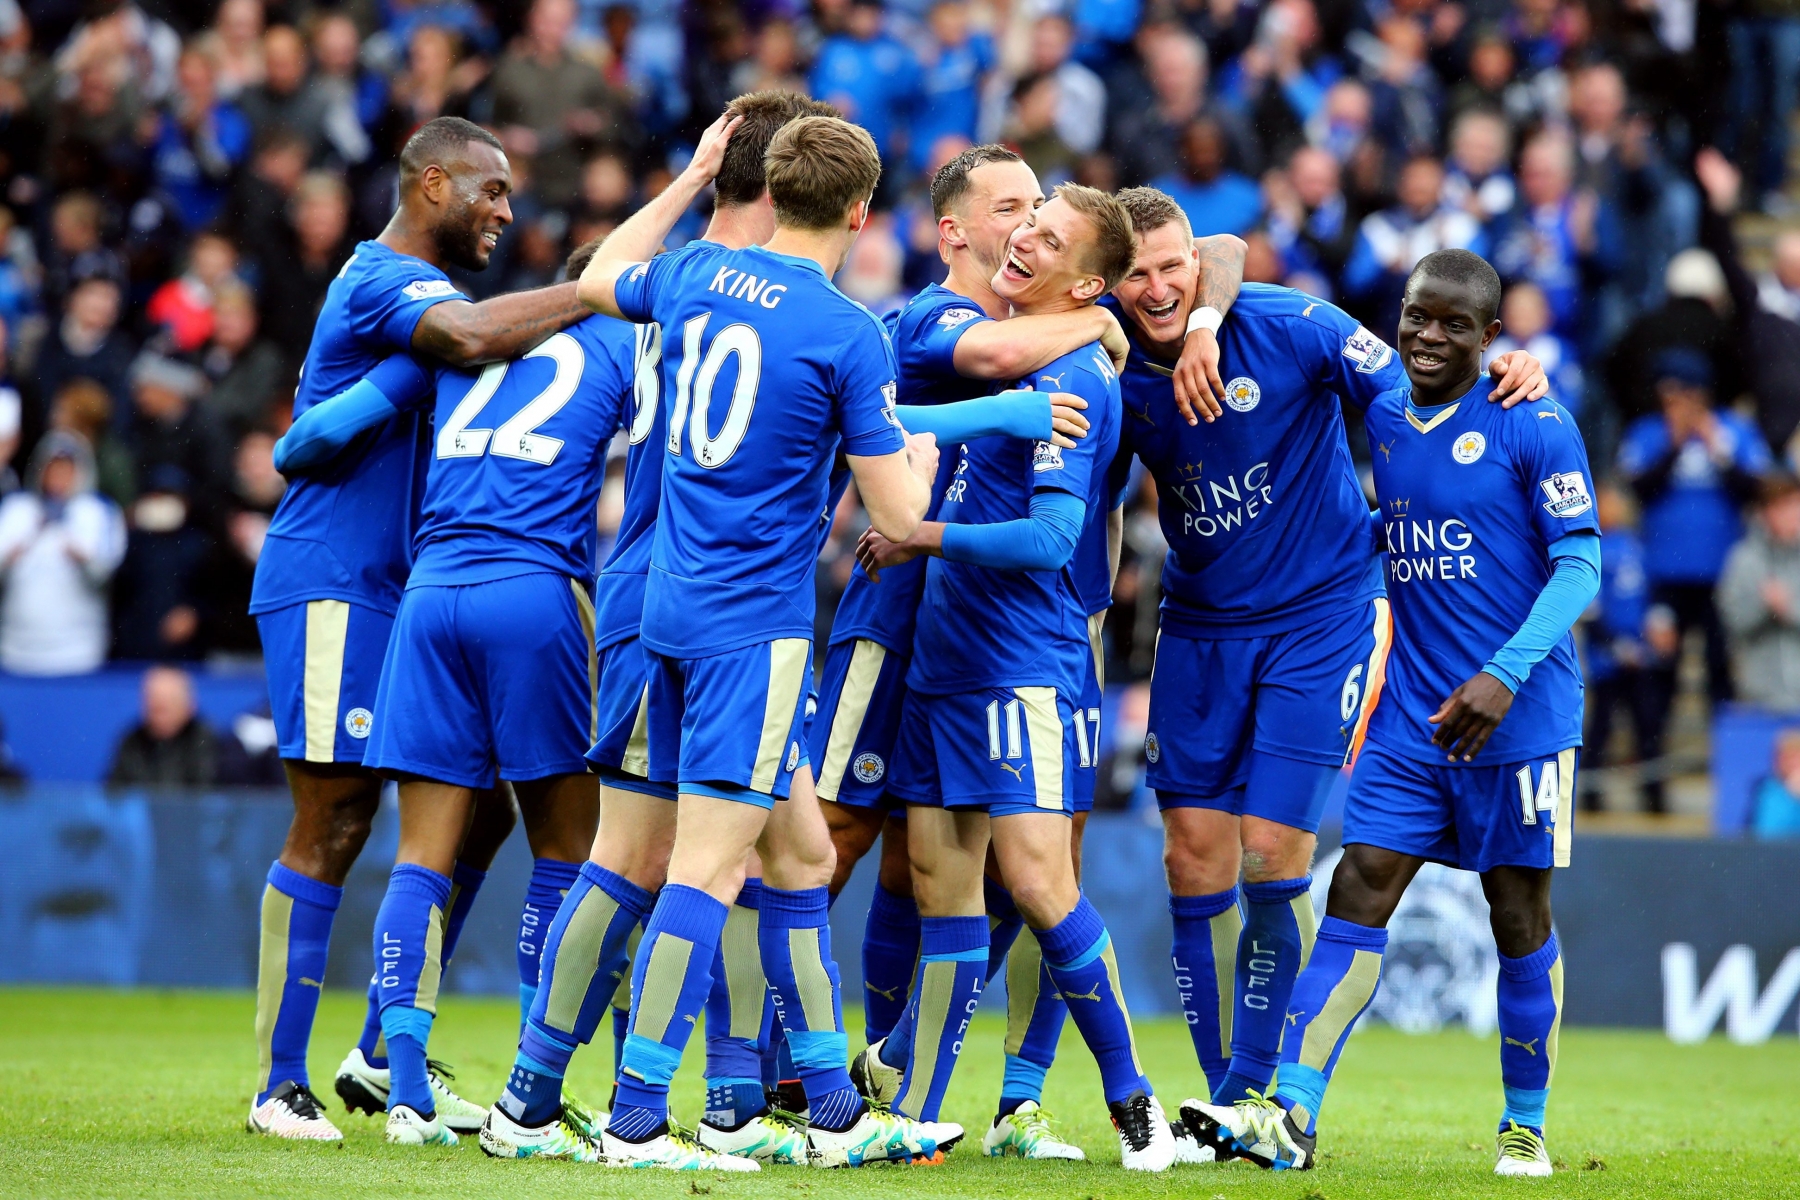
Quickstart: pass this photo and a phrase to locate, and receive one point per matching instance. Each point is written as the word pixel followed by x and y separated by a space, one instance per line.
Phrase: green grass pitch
pixel 144 1093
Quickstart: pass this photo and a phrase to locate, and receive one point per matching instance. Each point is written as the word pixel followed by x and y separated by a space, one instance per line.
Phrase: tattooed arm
pixel 464 334
pixel 1198 387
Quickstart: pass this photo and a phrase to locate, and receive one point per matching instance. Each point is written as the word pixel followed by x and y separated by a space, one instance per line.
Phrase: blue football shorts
pixel 489 678
pixel 851 738
pixel 734 721
pixel 1004 750
pixel 1473 816
pixel 323 659
pixel 1087 718
pixel 621 753
pixel 1261 726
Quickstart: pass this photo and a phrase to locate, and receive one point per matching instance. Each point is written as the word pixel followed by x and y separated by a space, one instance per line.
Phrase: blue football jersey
pixel 981 627
pixel 1472 495
pixel 768 366
pixel 517 460
pixel 346 533
pixel 1267 524
pixel 925 334
pixel 619 593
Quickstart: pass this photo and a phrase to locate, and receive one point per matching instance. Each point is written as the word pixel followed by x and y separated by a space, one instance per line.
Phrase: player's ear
pixel 1490 333
pixel 432 182
pixel 950 230
pixel 1090 288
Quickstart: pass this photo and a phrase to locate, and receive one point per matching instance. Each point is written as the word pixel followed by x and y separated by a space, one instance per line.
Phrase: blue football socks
pixel 551 880
pixel 1035 1012
pixel 296 932
pixel 1530 996
pixel 803 979
pixel 1334 990
pixel 670 980
pixel 1079 954
pixel 409 956
pixel 1278 935
pixel 1204 954
pixel 734 1017
pixel 580 968
pixel 890 951
pixel 1004 924
pixel 953 964
pixel 465 884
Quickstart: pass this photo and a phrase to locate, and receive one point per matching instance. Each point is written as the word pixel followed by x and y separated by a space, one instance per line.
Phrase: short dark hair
pixel 1776 486
pixel 817 168
pixel 1471 270
pixel 1115 244
pixel 438 141
pixel 1151 209
pixel 579 258
pixel 951 183
pixel 741 178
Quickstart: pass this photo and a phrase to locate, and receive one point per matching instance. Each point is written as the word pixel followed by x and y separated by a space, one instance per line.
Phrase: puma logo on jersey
pixel 1093 995
pixel 1056 381
pixel 1018 773
pixel 1387 450
pixel 1528 1047
pixel 885 993
pixel 1307 311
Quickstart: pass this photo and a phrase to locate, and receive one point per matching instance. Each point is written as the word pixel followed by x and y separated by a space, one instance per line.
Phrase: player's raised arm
pixel 1053 417
pixel 1012 348
pixel 323 430
pixel 1221 274
pixel 466 334
pixel 638 238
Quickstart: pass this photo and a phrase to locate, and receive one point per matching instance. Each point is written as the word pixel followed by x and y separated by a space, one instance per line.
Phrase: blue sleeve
pixel 865 386
pixel 387 303
pixel 1554 471
pixel 327 427
pixel 931 350
pixel 634 291
pixel 1043 541
pixel 1343 357
pixel 1574 582
pixel 1070 470
pixel 1014 413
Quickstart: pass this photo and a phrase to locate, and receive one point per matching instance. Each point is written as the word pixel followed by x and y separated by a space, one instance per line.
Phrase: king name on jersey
pixel 1416 548
pixel 734 284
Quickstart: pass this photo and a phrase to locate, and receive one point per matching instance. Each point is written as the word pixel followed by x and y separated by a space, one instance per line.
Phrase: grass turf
pixel 144 1093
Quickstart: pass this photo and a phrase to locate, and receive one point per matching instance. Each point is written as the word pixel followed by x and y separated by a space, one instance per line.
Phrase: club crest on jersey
pixel 1243 394
pixel 1468 447
pixel 1568 494
pixel 953 317
pixel 426 289
pixel 358 722
pixel 1367 351
pixel 1152 747
pixel 869 768
pixel 1046 456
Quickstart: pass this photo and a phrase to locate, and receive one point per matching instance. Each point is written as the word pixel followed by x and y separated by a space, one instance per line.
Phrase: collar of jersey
pixel 790 259
pixel 1427 419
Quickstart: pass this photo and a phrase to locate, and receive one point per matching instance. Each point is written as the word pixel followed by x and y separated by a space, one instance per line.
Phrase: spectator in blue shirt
pixel 1525 325
pixel 955 61
pixel 871 77
pixel 1693 469
pixel 1777 812
pixel 1557 237
pixel 200 140
pixel 1215 199
pixel 1390 243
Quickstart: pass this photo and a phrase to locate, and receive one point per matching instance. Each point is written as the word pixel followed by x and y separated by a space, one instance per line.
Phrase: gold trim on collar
pixel 1427 426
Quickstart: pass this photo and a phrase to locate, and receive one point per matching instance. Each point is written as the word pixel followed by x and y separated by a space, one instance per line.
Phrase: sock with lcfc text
pixel 1334 990
pixel 1530 995
pixel 583 960
pixel 953 962
pixel 551 880
pixel 1079 955
pixel 889 952
pixel 734 1017
pixel 465 883
pixel 803 978
pixel 673 969
pixel 296 932
pixel 1204 954
pixel 1279 927
pixel 409 957
pixel 1035 1012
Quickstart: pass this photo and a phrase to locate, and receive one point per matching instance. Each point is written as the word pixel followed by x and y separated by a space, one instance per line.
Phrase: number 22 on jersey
pixel 517 437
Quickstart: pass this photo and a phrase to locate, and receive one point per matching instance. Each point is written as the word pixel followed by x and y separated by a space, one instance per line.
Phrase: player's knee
pixel 1274 852
pixel 1366 887
pixel 1198 868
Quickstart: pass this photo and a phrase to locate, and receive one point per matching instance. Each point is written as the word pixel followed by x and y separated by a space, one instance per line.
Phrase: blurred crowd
pixel 181 179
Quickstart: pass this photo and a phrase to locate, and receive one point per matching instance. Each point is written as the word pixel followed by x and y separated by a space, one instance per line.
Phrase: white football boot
pixel 1145 1142
pixel 503 1137
pixel 1522 1152
pixel 407 1128
pixel 293 1112
pixel 364 1088
pixel 671 1150
pixel 1026 1132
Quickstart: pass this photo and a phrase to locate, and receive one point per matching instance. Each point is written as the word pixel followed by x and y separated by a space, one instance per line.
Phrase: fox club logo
pixel 1468 447
pixel 868 767
pixel 1152 747
pixel 358 722
pixel 793 758
pixel 1568 494
pixel 1243 394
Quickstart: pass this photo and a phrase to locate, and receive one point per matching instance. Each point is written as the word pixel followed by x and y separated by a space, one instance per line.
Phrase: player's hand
pixel 1469 717
pixel 922 456
pixel 874 552
pixel 1067 425
pixel 1114 341
pixel 709 155
pixel 1198 388
pixel 1521 378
